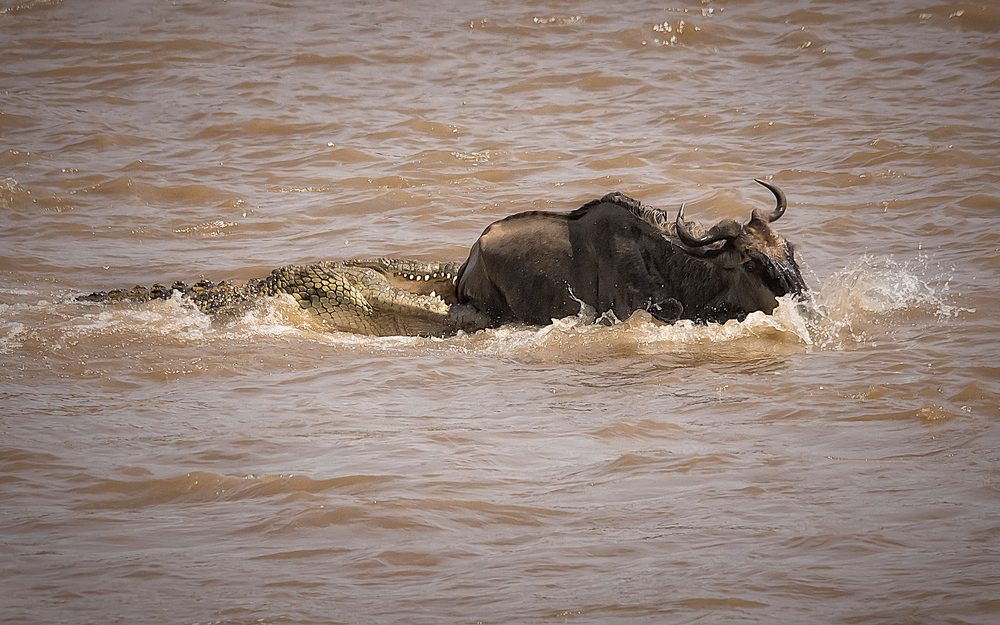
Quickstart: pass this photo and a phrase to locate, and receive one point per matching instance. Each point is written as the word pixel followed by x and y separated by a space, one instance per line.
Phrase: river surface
pixel 835 462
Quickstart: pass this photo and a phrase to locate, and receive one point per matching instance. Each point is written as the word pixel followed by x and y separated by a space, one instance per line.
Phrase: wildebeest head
pixel 753 248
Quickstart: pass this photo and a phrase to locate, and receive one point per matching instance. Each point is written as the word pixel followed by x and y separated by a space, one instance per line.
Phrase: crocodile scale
pixel 381 297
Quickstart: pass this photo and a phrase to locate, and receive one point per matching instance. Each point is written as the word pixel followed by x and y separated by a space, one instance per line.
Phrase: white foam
pixel 854 306
pixel 11 335
pixel 872 293
pixel 172 317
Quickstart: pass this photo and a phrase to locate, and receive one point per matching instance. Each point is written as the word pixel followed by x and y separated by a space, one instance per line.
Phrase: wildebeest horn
pixel 779 210
pixel 727 230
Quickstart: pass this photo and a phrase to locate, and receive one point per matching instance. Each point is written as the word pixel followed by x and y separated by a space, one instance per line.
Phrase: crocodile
pixel 379 297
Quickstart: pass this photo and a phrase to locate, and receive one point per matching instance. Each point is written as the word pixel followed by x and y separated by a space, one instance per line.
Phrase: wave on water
pixel 204 487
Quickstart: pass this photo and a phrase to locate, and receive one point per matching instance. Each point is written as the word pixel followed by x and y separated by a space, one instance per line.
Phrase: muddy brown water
pixel 830 463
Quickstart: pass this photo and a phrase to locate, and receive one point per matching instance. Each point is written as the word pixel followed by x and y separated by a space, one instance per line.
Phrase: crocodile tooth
pixel 434 294
pixel 411 276
pixel 435 274
pixel 427 277
pixel 418 278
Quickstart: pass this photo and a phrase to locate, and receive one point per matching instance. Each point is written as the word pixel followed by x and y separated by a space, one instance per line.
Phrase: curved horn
pixel 727 230
pixel 779 210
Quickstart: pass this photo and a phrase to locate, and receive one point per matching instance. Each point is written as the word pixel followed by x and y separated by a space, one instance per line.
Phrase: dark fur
pixel 618 256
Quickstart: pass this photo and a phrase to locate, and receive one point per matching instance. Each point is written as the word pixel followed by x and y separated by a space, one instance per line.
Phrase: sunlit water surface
pixel 833 462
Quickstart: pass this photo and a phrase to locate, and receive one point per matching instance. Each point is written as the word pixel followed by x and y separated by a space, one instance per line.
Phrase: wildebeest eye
pixel 751 266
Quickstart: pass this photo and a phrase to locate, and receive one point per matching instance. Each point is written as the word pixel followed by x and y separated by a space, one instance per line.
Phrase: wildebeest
pixel 618 256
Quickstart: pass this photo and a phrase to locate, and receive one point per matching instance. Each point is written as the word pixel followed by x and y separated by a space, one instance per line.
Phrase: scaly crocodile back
pixel 382 296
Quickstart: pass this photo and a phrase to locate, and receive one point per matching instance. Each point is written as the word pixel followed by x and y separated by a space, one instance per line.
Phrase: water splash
pixel 877 286
pixel 858 305
pixel 875 294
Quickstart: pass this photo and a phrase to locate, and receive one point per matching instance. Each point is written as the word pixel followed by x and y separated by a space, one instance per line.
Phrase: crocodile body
pixel 381 297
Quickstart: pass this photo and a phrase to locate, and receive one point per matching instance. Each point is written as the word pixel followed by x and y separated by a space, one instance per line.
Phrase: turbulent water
pixel 835 462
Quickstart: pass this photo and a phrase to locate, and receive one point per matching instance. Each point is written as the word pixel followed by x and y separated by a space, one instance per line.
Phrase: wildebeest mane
pixel 653 216
pixel 656 217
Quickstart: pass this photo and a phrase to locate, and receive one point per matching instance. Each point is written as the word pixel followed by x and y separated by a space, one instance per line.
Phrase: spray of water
pixel 859 304
pixel 872 295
